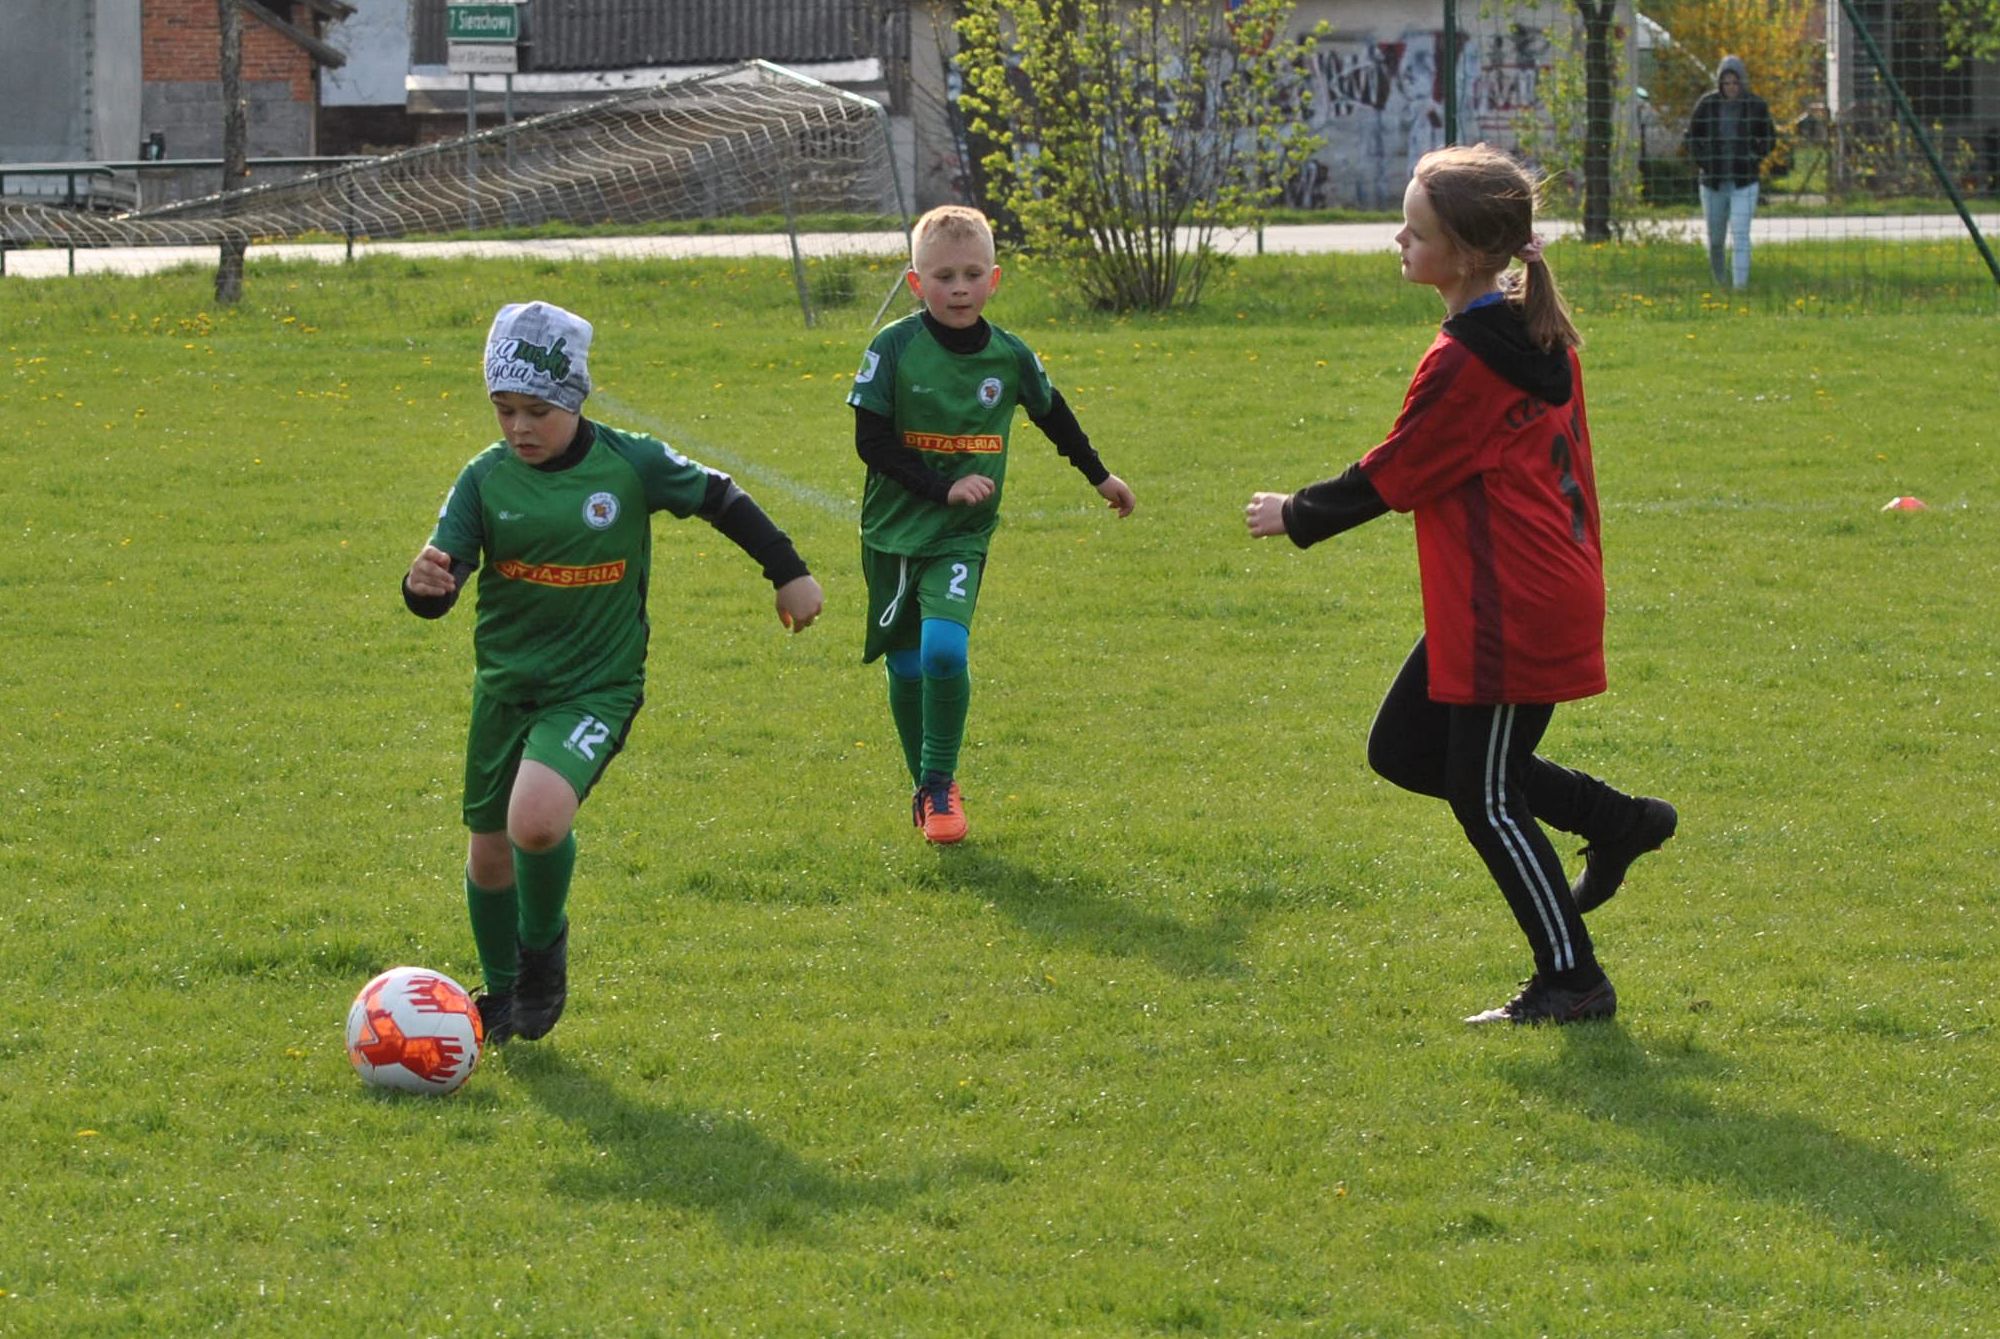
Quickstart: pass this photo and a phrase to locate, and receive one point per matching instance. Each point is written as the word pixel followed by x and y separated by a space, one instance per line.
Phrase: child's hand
pixel 799 602
pixel 970 491
pixel 1266 514
pixel 1118 493
pixel 430 573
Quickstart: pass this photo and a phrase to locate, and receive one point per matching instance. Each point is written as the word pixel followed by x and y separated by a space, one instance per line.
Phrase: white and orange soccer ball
pixel 415 1030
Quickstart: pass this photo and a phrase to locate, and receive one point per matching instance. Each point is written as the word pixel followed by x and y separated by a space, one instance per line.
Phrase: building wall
pixel 614 34
pixel 375 38
pixel 181 46
pixel 1378 88
pixel 1377 94
pixel 363 105
pixel 116 80
pixel 69 85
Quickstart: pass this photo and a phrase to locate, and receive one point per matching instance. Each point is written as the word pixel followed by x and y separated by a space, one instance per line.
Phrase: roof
pixel 627 34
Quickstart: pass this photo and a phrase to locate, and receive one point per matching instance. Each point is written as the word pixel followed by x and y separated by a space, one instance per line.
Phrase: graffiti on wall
pixel 1378 103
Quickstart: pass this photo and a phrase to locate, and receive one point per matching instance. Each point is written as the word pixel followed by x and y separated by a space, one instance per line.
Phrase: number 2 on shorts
pixel 959 572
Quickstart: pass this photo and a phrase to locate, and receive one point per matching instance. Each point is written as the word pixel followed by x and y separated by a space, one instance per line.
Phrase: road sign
pixel 483 23
pixel 482 58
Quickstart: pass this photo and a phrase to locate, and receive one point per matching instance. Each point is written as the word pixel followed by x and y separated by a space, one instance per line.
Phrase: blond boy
pixel 933 407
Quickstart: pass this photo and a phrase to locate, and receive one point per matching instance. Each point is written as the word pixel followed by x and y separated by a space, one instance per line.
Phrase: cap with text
pixel 538 349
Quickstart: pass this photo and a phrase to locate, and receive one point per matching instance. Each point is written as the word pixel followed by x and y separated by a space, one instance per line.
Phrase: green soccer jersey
pixel 955 410
pixel 567 555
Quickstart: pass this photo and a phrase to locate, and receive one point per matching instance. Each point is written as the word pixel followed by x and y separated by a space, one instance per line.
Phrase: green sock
pixel 494 934
pixel 945 704
pixel 543 878
pixel 906 708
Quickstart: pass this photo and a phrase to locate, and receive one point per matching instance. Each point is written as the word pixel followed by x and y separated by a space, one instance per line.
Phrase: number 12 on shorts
pixel 589 733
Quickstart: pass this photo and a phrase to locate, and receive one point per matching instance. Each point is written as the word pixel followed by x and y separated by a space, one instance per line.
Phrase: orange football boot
pixel 937 809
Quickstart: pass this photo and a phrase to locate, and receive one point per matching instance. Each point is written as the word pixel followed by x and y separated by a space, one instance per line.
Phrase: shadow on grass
pixel 1086 912
pixel 1864 1192
pixel 704 1160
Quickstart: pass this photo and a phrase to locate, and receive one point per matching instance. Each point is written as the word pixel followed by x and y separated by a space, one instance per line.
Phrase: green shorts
pixel 577 737
pixel 904 591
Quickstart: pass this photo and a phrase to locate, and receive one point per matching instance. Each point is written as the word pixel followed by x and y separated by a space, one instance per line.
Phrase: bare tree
pixel 235 152
pixel 1599 83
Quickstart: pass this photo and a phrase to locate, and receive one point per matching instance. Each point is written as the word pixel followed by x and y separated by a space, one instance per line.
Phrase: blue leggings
pixel 939 655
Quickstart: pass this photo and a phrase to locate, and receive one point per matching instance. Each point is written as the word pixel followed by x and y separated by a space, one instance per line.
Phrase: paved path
pixel 1289 239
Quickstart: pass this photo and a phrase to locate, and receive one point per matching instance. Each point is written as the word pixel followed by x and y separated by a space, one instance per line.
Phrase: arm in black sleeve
pixel 1322 510
pixel 1764 133
pixel 1059 425
pixel 876 443
pixel 1697 140
pixel 437 606
pixel 738 518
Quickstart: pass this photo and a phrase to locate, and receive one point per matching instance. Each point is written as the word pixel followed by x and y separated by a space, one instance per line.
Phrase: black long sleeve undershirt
pixel 1322 510
pixel 1059 425
pixel 876 442
pixel 437 606
pixel 738 519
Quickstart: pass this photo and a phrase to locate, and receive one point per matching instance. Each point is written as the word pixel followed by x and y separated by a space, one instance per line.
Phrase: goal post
pixel 755 159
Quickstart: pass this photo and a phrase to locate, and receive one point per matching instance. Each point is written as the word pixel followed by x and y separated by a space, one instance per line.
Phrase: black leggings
pixel 1481 760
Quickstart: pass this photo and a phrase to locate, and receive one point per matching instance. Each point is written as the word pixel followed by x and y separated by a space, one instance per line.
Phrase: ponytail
pixel 1534 291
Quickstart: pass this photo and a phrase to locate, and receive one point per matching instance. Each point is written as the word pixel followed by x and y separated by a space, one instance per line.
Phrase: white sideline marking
pixel 708 453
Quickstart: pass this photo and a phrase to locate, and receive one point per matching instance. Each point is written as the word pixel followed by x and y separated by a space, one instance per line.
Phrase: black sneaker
pixel 496 1015
pixel 1540 1002
pixel 542 988
pixel 1605 863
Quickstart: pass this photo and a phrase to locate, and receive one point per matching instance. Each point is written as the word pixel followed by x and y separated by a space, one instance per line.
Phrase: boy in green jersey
pixel 560 512
pixel 933 404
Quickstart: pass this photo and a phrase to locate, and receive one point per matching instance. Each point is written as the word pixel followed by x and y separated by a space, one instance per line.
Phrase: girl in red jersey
pixel 1492 456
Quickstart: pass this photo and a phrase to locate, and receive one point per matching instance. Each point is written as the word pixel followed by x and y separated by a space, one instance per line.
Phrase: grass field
pixel 1171 1045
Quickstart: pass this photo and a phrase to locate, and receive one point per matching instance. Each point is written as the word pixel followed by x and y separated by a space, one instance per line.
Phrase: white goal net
pixel 766 153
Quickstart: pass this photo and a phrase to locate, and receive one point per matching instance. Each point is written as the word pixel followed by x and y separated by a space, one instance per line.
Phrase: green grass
pixel 1171 1045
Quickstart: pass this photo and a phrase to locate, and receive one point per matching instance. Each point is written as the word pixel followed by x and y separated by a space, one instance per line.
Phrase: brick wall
pixel 180 46
pixel 181 42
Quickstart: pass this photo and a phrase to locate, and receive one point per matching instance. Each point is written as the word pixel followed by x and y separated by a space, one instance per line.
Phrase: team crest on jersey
pixel 869 361
pixel 600 511
pixel 989 392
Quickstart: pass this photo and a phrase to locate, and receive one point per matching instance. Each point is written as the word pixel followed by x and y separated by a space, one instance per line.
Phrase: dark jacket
pixel 1730 142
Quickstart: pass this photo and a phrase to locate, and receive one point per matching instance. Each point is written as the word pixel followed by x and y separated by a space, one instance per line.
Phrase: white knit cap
pixel 538 349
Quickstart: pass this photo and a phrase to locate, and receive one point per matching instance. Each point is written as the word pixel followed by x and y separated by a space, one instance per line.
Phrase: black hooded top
pixel 1729 138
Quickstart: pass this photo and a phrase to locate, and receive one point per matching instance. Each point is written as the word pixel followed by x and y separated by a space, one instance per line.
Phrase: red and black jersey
pixel 1491 454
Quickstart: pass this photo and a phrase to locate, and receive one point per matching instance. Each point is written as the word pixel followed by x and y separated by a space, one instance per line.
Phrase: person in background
pixel 1729 135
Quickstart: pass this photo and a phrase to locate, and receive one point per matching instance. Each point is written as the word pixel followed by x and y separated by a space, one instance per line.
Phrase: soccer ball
pixel 414 1030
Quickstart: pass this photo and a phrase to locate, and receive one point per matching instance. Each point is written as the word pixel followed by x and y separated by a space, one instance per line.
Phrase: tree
pixel 1971 30
pixel 235 155
pixel 1775 39
pixel 1130 131
pixel 1600 83
pixel 1574 131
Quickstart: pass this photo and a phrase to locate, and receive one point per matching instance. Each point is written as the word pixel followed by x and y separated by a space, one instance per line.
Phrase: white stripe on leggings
pixel 1547 906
